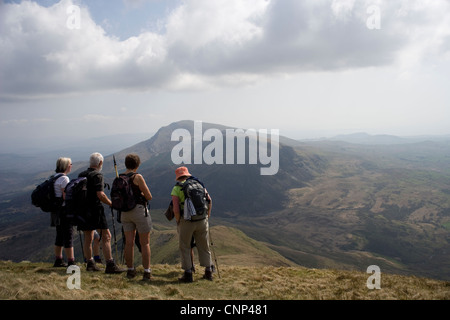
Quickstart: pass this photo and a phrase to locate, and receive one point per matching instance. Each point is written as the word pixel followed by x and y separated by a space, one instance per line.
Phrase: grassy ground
pixel 39 281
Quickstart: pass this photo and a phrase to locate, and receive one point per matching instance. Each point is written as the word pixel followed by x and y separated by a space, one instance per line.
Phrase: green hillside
pixel 231 246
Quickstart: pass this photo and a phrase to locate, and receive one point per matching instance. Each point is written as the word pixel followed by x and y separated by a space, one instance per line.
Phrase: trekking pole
pixel 214 252
pixel 81 243
pixel 114 229
pixel 115 166
pixel 122 252
pixel 112 214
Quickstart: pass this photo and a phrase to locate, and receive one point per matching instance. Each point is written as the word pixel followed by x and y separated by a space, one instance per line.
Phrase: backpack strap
pixel 57 176
pixel 179 184
pixel 136 191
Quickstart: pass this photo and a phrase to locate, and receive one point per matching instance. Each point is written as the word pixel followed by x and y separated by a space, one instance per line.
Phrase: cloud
pixel 44 56
pixel 206 43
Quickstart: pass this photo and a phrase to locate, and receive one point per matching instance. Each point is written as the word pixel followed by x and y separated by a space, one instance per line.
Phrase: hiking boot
pixel 147 276
pixel 131 274
pixel 91 266
pixel 186 278
pixel 208 275
pixel 71 263
pixel 112 267
pixel 98 260
pixel 59 263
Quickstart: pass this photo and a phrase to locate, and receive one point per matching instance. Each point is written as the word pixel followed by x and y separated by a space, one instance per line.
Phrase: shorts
pixel 95 219
pixel 136 220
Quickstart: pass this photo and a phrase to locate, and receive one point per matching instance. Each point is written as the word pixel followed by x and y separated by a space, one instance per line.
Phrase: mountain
pixel 364 138
pixel 332 204
pixel 231 183
pixel 384 139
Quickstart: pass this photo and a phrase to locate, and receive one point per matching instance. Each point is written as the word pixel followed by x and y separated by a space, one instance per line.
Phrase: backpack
pixel 122 196
pixel 196 200
pixel 43 196
pixel 76 200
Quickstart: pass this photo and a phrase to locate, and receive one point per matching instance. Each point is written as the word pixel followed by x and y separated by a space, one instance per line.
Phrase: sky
pixel 75 69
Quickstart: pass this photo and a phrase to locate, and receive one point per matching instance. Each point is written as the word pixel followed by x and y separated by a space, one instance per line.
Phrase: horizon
pixel 76 69
pixel 126 140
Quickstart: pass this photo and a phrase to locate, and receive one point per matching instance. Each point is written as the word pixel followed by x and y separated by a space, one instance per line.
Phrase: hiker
pixel 64 229
pixel 191 228
pixel 95 216
pixel 138 219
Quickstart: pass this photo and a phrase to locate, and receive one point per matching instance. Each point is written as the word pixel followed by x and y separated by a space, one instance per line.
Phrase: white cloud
pixel 207 43
pixel 43 56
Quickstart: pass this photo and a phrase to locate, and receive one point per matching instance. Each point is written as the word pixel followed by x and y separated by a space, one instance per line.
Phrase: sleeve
pixel 64 182
pixel 175 191
pixel 98 182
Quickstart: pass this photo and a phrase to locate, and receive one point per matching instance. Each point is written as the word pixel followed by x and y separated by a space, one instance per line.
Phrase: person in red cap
pixel 196 226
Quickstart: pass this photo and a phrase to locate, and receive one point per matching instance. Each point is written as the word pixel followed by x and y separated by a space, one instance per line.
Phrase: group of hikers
pixel 136 221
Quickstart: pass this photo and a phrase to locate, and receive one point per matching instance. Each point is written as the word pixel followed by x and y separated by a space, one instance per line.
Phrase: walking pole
pixel 214 253
pixel 112 213
pixel 115 238
pixel 122 252
pixel 81 243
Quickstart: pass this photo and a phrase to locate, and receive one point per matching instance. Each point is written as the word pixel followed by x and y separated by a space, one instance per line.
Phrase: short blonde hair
pixel 62 164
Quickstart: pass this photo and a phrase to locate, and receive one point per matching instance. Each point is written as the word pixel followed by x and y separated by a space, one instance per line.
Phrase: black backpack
pixel 76 200
pixel 194 190
pixel 122 196
pixel 43 195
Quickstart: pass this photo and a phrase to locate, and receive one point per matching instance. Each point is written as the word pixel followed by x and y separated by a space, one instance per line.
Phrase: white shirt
pixel 60 184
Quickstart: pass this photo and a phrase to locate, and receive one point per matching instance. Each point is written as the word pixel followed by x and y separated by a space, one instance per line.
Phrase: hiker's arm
pixel 143 187
pixel 176 208
pixel 104 198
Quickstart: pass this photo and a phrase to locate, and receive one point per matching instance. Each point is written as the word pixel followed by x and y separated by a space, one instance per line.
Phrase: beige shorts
pixel 136 220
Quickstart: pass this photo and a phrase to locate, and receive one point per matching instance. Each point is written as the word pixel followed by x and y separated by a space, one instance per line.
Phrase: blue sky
pixel 308 68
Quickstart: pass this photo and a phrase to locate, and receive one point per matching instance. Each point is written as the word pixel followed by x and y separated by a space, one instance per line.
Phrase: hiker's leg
pixel 96 244
pixel 58 251
pixel 88 237
pixel 144 226
pixel 59 242
pixel 185 229
pixel 68 240
pixel 129 248
pixel 106 244
pixel 202 242
pixel 144 239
